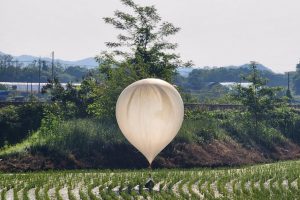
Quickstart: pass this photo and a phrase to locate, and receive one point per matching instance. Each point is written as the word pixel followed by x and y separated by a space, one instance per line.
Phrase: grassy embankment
pixel 207 138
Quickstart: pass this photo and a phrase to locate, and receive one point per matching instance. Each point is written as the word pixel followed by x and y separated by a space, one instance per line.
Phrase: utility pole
pixel 289 81
pixel 52 55
pixel 288 92
pixel 40 62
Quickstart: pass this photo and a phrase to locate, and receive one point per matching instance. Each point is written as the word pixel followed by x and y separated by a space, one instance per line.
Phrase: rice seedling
pixel 277 181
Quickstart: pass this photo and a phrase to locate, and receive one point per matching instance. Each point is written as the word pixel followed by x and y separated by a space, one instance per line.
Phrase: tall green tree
pixel 141 51
pixel 142 43
pixel 73 101
pixel 259 99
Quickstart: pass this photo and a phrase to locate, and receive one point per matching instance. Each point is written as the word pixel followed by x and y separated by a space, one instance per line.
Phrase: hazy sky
pixel 214 32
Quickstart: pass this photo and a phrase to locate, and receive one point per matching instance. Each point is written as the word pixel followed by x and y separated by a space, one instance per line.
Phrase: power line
pixel 39 90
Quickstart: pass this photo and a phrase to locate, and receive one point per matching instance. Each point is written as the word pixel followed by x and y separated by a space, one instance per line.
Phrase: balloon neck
pixel 150 166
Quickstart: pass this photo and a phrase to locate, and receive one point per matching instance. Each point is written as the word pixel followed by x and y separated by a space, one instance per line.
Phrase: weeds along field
pixel 270 181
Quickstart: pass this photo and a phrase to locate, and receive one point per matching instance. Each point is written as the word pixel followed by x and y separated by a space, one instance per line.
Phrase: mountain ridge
pixel 90 62
pixel 184 71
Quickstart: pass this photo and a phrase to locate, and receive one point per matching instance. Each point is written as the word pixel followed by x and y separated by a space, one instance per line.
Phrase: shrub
pixel 287 121
pixel 200 127
pixel 240 127
pixel 79 135
pixel 16 122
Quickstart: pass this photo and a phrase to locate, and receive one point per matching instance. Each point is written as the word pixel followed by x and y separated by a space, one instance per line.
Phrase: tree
pixel 55 89
pixel 258 99
pixel 296 80
pixel 141 51
pixel 143 39
pixel 18 122
pixel 3 87
pixel 5 61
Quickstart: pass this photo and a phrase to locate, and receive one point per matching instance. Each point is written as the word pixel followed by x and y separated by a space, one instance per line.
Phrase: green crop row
pixel 276 181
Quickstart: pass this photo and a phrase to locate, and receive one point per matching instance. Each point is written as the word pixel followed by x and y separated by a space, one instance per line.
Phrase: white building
pixel 231 85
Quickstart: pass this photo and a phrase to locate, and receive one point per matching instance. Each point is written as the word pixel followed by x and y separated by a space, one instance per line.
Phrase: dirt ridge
pixel 124 156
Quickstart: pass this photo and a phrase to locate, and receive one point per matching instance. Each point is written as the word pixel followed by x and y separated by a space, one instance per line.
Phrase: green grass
pixel 89 135
pixel 21 147
pixel 86 135
pixel 77 134
pixel 270 181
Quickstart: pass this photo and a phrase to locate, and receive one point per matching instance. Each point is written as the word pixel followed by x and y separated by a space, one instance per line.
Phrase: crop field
pixel 269 181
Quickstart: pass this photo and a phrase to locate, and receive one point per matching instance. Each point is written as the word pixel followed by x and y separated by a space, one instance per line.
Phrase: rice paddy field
pixel 269 181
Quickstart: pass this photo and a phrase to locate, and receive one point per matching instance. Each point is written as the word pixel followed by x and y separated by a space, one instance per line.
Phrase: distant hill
pixel 259 67
pixel 86 62
pixel 183 71
pixel 91 63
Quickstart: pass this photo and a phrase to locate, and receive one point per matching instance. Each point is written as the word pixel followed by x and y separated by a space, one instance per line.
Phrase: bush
pixel 78 135
pixel 241 127
pixel 287 121
pixel 16 122
pixel 200 127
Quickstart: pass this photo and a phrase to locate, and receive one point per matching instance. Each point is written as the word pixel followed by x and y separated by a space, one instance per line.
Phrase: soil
pixel 124 156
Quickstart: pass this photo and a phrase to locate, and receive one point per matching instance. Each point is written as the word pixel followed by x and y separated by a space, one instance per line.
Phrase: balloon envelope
pixel 149 113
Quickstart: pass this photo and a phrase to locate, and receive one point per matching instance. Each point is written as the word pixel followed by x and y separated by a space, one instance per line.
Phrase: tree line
pixel 12 70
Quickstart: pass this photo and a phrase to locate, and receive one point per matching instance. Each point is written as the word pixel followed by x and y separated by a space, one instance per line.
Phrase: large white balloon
pixel 150 113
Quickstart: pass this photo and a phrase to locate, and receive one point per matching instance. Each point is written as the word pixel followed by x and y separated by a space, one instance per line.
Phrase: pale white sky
pixel 214 32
